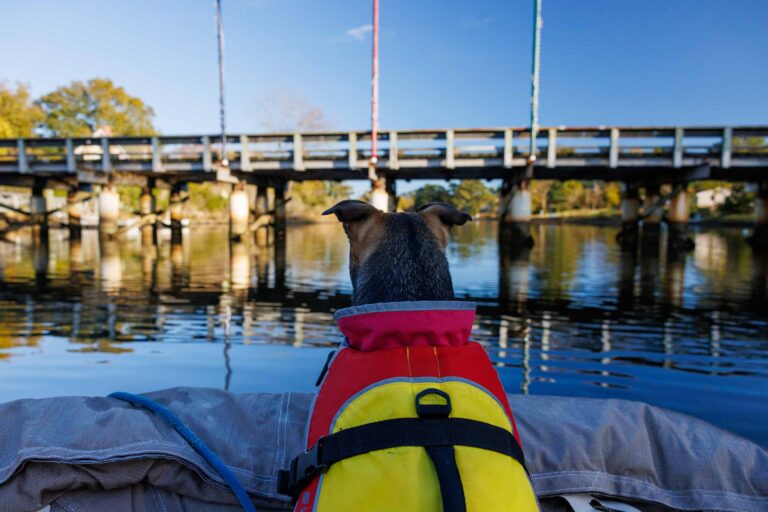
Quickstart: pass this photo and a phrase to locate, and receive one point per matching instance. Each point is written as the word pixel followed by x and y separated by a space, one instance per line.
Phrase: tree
pixel 287 112
pixel 81 108
pixel 472 196
pixel 567 194
pixel 540 195
pixel 430 193
pixel 284 111
pixel 18 115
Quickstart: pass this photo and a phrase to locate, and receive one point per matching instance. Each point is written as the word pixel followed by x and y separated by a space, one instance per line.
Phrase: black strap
pixel 386 434
pixel 451 488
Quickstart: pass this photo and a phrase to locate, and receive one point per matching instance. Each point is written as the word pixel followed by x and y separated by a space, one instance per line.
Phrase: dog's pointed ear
pixel 441 217
pixel 351 211
pixel 364 226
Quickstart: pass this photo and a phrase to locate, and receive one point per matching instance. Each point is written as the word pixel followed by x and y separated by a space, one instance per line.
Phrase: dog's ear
pixel 351 211
pixel 441 217
pixel 363 224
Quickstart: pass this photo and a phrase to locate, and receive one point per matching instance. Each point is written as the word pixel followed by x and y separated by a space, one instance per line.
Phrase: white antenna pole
pixel 535 79
pixel 222 111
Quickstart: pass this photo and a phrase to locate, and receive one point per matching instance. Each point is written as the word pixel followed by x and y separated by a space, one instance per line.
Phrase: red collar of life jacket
pixel 407 324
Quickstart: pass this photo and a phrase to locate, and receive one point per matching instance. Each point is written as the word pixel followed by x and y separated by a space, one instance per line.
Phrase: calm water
pixel 574 316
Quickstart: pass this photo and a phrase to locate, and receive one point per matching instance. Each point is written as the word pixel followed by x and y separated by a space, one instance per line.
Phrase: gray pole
pixel 222 113
pixel 535 78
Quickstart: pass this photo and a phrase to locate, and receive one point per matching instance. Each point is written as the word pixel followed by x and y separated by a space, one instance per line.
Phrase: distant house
pixel 712 198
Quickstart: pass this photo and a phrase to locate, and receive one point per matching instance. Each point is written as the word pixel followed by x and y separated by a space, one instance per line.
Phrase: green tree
pixel 430 193
pixel 18 115
pixel 473 196
pixel 81 108
pixel 540 195
pixel 318 195
pixel 567 194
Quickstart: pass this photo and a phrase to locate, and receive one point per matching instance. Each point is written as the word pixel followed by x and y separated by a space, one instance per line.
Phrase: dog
pixel 410 415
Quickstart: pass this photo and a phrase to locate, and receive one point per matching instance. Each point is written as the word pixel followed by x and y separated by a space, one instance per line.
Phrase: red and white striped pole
pixel 375 86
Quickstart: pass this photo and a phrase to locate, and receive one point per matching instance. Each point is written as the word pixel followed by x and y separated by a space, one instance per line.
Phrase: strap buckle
pixel 302 470
pixel 433 403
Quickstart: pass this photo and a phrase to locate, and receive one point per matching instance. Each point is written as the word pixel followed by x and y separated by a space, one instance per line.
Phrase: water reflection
pixel 576 314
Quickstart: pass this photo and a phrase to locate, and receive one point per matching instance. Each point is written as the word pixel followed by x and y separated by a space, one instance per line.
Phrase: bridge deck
pixel 626 153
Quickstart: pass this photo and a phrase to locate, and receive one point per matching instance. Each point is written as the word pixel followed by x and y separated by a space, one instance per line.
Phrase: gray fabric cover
pixel 87 454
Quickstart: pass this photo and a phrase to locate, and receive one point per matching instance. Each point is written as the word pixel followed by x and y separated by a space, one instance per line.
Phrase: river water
pixel 574 316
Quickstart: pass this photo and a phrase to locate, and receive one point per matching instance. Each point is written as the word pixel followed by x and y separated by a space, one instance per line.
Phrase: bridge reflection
pixel 98 293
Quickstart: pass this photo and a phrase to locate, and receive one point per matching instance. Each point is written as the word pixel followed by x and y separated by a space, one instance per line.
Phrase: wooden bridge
pixel 641 157
pixel 599 153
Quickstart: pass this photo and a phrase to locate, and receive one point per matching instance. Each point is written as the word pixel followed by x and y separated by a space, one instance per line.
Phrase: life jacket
pixel 410 417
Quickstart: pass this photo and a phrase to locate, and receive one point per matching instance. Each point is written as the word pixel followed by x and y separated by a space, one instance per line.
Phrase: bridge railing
pixel 608 147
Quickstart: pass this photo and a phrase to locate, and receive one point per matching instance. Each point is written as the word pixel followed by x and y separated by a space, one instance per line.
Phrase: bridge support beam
pixel 179 192
pixel 147 210
pixel 109 209
pixel 74 213
pixel 679 211
pixel 759 238
pixel 239 212
pixel 38 206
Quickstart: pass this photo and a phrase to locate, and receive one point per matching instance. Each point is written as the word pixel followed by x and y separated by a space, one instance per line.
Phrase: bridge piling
pixel 239 212
pixel 38 207
pixel 148 210
pixel 515 214
pixel 679 210
pixel 73 213
pixel 379 195
pixel 109 209
pixel 261 208
pixel 280 219
pixel 630 216
pixel 520 204
pixel 653 213
pixel 179 192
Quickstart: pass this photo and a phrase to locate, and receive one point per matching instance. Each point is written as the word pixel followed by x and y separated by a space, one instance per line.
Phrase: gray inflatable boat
pixel 100 454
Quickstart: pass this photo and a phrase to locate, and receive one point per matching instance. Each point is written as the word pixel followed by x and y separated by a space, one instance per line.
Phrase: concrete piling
pixel 261 207
pixel 679 211
pixel 179 192
pixel 515 214
pixel 379 196
pixel 280 218
pixel 654 212
pixel 239 212
pixel 109 209
pixel 630 216
pixel 147 209
pixel 74 213
pixel 520 204
pixel 38 206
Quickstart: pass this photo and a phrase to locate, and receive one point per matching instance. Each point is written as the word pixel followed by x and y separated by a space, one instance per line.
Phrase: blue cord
pixel 197 443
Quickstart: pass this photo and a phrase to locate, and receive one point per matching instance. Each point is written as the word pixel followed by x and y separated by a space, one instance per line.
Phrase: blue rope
pixel 197 443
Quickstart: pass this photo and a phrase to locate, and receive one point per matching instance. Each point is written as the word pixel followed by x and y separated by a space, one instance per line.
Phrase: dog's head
pixel 398 256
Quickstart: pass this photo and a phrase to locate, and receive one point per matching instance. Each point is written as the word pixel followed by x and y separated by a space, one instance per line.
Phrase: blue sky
pixel 443 63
